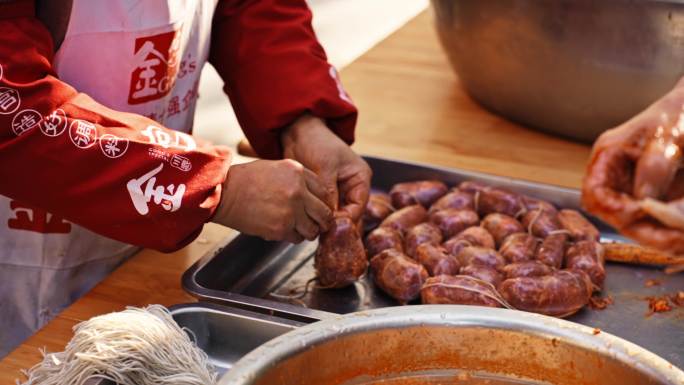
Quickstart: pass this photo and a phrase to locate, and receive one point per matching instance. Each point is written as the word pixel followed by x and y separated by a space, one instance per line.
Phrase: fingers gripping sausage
pixel 519 247
pixel 437 260
pixel 453 221
pixel 383 238
pixel 423 233
pixel 559 294
pixel 398 275
pixel 501 226
pixel 459 290
pixel 405 218
pixel 526 269
pixel 587 256
pixel 552 250
pixel 456 199
pixel 485 273
pixel 340 259
pixel 424 192
pixel 379 206
pixel 579 227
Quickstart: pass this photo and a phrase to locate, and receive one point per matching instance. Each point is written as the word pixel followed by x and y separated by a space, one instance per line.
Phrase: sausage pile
pixel 480 245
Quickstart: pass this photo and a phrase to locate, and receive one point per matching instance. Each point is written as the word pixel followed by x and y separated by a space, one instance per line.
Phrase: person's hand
pixel 344 174
pixel 633 180
pixel 276 200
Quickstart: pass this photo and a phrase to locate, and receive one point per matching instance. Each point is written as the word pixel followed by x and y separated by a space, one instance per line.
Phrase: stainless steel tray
pixel 245 270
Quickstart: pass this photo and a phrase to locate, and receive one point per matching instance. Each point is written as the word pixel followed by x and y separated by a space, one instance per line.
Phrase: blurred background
pixel 345 32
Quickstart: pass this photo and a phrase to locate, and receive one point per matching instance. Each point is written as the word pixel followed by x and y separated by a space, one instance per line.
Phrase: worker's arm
pixel 287 97
pixel 117 174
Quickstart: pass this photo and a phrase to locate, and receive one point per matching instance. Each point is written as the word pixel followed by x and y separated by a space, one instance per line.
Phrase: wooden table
pixel 412 107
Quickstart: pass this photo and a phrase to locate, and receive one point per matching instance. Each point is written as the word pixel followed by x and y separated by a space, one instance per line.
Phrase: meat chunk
pixel 424 192
pixel 340 259
pixel 398 275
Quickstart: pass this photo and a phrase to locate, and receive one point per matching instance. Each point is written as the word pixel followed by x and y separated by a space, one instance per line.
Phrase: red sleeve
pixel 118 174
pixel 275 70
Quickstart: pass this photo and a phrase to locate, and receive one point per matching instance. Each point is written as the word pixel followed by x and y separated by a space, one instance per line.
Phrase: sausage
pixel 540 222
pixel 470 186
pixel 587 256
pixel 437 260
pixel 495 200
pixel 532 204
pixel 398 275
pixel 476 236
pixel 454 246
pixel 473 255
pixel 379 206
pixel 340 258
pixel 519 247
pixel 459 290
pixel 405 218
pixel 484 273
pixel 383 238
pixel 558 294
pixel 552 250
pixel 579 227
pixel 423 192
pixel 453 221
pixel 456 199
pixel 501 226
pixel 425 232
pixel 526 269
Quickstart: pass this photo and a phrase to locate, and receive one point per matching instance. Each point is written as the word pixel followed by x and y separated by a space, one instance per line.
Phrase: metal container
pixel 569 67
pixel 449 342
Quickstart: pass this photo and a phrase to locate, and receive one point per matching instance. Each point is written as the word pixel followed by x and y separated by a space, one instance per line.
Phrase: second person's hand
pixel 276 200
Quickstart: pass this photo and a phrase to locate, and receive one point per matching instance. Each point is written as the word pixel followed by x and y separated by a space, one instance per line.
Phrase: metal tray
pixel 245 270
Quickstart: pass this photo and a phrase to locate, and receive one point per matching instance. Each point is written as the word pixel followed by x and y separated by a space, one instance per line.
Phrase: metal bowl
pixel 363 347
pixel 569 67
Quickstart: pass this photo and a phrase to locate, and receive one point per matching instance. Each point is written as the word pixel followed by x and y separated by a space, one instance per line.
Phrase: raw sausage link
pixel 579 227
pixel 473 255
pixel 378 208
pixel 501 226
pixel 559 294
pixel 340 259
pixel 532 204
pixel 552 250
pixel 587 256
pixel 423 233
pixel 476 236
pixel 541 223
pixel 405 218
pixel 453 221
pixel 458 290
pixel 494 200
pixel 398 275
pixel 526 269
pixel 424 192
pixel 519 247
pixel 437 260
pixel 484 273
pixel 456 199
pixel 383 238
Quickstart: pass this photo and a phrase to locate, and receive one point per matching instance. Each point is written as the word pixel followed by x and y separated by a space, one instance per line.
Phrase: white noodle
pixel 137 346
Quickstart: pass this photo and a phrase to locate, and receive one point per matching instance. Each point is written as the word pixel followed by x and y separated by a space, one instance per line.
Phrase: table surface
pixel 412 107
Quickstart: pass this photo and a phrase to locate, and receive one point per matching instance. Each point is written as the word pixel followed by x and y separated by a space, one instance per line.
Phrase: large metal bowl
pixel 360 347
pixel 568 67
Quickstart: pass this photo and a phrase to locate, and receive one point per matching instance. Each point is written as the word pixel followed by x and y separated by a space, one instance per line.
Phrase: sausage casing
pixel 425 232
pixel 453 221
pixel 423 192
pixel 578 226
pixel 455 199
pixel 541 223
pixel 405 218
pixel 476 236
pixel 378 208
pixel 526 269
pixel 558 294
pixel 484 273
pixel 383 238
pixel 340 259
pixel 458 290
pixel 519 247
pixel 501 226
pixel 398 275
pixel 494 200
pixel 587 256
pixel 437 260
pixel 552 250
pixel 473 255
